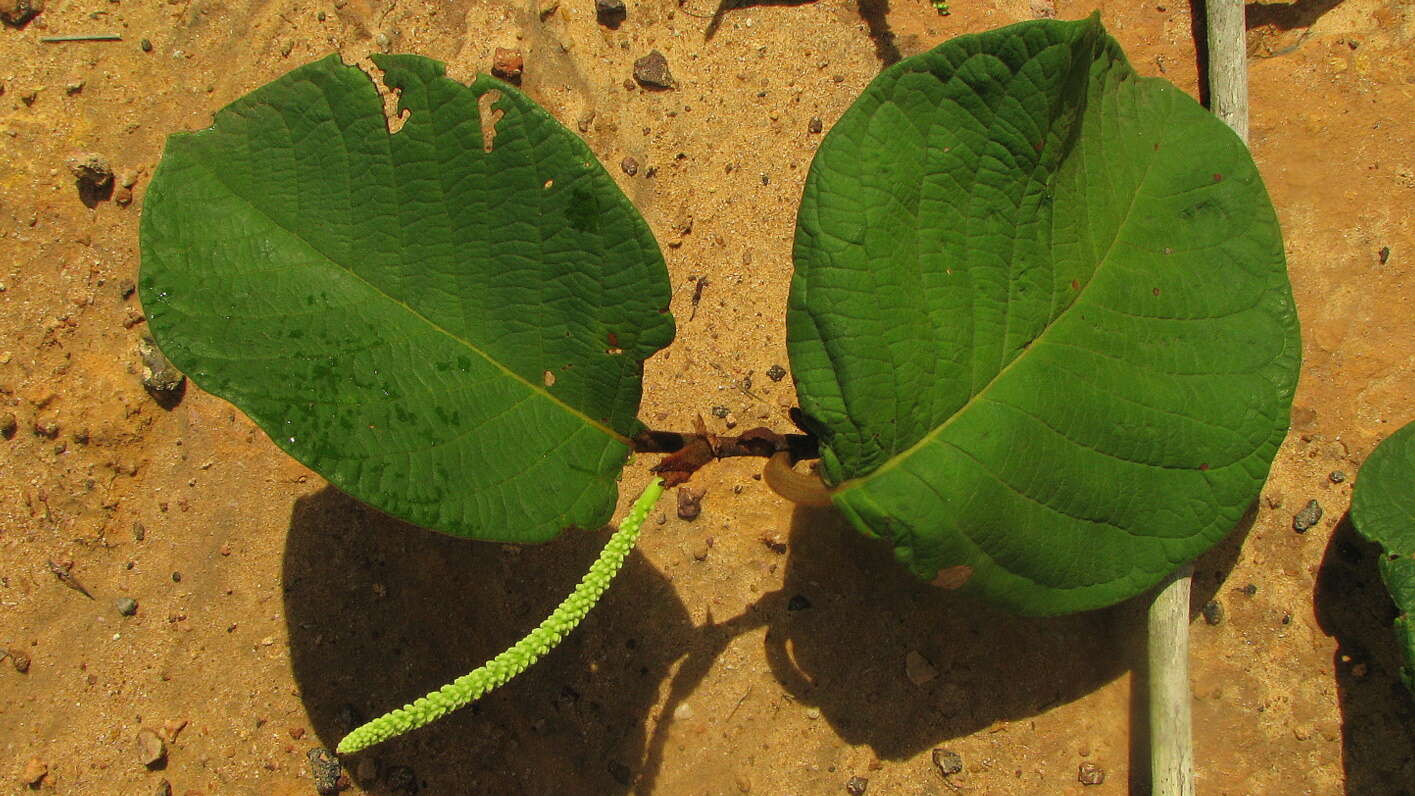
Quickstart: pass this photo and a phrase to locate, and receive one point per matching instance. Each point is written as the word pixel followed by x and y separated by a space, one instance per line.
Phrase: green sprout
pixel 521 655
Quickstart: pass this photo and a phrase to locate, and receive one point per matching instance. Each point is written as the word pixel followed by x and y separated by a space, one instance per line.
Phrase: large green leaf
pixel 1040 318
pixel 1383 510
pixel 453 335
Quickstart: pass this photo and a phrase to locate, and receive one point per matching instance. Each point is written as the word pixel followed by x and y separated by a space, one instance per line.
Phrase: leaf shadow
pixel 380 612
pixel 1377 711
pixel 846 652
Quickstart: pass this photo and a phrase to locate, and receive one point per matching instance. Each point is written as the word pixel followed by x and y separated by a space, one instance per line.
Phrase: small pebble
pixel 19 12
pixel 610 13
pixel 139 532
pixel 34 772
pixel 171 728
pixel 1090 774
pixel 1337 476
pixel 720 412
pixel 151 750
pixel 146 45
pixel 1383 255
pixel 815 125
pixel 856 786
pixel 1250 590
pixel 164 788
pixel 508 65
pixel 920 671
pixel 158 374
pixel 8 424
pixel 700 550
pixel 1213 612
pixel 630 166
pixel 690 504
pixel 798 602
pixel 1309 516
pixel 176 577
pixel 651 71
pixel 325 769
pixel 19 660
pixel 947 761
pixel 91 170
pixel 126 606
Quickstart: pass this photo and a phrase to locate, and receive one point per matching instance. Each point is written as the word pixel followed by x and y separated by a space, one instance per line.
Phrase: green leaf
pixel 455 336
pixel 1383 510
pixel 1040 318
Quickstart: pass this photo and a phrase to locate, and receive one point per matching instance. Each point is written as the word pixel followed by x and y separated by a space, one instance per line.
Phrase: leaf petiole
pixel 521 655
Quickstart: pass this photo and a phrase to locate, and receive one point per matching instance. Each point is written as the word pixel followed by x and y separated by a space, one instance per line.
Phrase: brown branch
pixel 688 452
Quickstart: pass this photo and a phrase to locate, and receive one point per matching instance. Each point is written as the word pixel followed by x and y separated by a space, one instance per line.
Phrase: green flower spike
pixel 522 654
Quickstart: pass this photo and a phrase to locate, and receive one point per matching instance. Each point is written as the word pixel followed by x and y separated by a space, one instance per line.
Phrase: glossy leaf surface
pixel 452 334
pixel 1383 510
pixel 1040 318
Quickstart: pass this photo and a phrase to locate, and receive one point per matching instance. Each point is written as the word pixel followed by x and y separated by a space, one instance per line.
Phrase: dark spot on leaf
pixel 1218 177
pixel 583 211
pixel 1203 467
pixel 549 184
pixel 1155 291
pixel 613 340
pixel 1075 284
pixel 549 378
pixel 1157 146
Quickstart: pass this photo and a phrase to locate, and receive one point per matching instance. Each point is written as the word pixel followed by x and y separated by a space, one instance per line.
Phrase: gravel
pixel 652 72
pixel 1309 516
pixel 947 761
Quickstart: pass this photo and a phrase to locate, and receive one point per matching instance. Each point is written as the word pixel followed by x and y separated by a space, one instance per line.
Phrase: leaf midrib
pixel 896 459
pixel 530 386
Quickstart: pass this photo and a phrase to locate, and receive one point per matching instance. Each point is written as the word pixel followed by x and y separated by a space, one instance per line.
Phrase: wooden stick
pixel 1171 736
pixel 1171 730
pixel 1228 64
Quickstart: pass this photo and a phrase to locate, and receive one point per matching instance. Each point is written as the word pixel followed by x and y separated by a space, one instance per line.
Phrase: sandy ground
pixel 273 611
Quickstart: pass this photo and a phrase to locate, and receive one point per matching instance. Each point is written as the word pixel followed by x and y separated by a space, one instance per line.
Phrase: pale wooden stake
pixel 1171 731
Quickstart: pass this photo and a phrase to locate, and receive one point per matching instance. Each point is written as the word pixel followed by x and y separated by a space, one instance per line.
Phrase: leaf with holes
pixel 450 329
pixel 1040 319
pixel 1383 510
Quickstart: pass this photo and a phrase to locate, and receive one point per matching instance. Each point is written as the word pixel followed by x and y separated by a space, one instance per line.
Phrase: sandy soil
pixel 273 611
